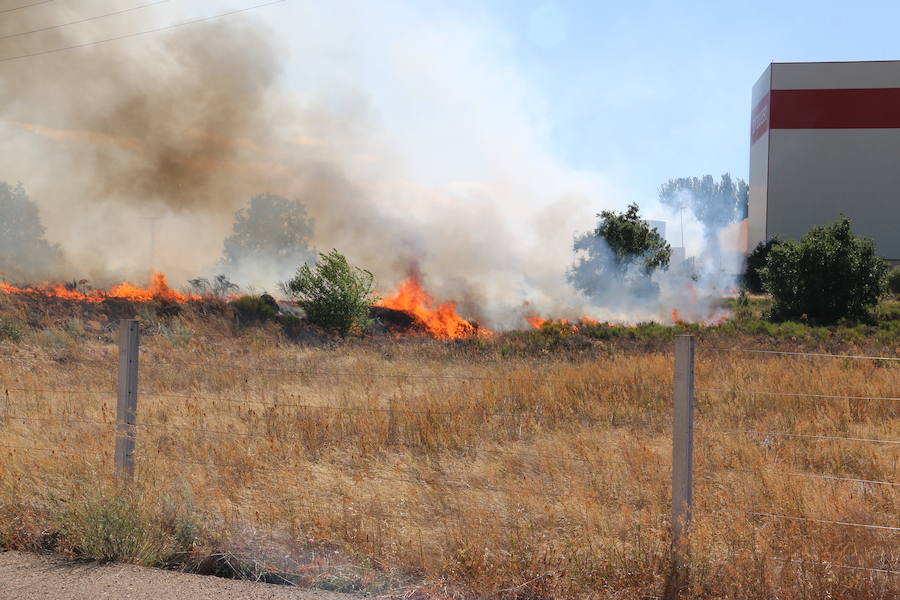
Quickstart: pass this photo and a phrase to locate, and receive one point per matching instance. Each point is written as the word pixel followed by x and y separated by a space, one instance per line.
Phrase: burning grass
pixel 497 467
pixel 157 290
pixel 439 321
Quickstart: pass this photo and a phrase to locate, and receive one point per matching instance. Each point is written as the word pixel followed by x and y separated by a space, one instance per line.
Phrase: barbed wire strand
pixel 809 475
pixel 813 520
pixel 388 410
pixel 469 448
pixel 59 451
pixel 56 391
pixel 58 420
pixel 110 362
pixel 836 565
pixel 415 481
pixel 787 353
pixel 369 374
pixel 794 394
pixel 797 435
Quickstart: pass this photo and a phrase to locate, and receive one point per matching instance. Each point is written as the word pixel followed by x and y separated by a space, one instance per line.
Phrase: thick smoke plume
pixel 138 152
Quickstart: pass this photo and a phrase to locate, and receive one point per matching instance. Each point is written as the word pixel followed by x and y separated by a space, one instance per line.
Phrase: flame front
pixel 157 290
pixel 535 321
pixel 441 322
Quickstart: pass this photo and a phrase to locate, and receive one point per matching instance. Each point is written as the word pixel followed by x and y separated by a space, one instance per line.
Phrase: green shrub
pixel 10 330
pixel 756 260
pixel 335 295
pixel 249 309
pixel 888 311
pixel 893 281
pixel 112 523
pixel 110 527
pixel 830 274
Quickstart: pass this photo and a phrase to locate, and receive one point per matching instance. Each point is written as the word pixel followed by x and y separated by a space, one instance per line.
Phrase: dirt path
pixel 33 577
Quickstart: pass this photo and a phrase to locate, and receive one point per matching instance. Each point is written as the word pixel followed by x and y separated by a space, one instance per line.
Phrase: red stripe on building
pixel 759 120
pixel 876 108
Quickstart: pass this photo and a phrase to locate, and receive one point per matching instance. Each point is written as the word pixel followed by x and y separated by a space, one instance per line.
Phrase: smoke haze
pixel 412 142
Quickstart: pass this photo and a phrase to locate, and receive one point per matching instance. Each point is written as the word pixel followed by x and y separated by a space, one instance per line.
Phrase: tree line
pixel 828 275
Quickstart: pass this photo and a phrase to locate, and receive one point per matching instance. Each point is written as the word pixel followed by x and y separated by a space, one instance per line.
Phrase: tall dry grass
pixel 432 469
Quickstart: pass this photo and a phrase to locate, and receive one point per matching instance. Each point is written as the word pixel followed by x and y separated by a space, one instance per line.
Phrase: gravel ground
pixel 33 577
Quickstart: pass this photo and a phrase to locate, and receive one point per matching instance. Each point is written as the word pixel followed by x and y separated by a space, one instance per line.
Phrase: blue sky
pixel 652 90
pixel 633 92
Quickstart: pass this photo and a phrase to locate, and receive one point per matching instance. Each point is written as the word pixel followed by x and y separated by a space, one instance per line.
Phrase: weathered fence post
pixel 682 451
pixel 126 406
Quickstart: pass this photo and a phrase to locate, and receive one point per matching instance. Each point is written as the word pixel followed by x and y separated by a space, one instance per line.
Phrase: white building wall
pixel 818 174
pixel 759 162
pixel 800 178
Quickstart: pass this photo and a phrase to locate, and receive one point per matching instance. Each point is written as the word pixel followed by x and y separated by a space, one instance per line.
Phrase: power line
pixel 8 10
pixel 148 31
pixel 61 25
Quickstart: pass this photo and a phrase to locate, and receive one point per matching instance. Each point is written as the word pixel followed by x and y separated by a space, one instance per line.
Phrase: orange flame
pixel 535 321
pixel 538 322
pixel 676 317
pixel 157 290
pixel 441 322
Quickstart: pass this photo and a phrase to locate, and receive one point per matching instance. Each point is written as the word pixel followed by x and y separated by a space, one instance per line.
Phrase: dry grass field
pixel 417 468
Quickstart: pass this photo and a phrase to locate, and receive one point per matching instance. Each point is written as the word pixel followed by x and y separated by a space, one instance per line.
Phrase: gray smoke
pixel 139 152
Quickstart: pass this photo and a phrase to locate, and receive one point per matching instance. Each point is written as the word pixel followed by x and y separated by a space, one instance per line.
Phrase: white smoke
pixel 412 135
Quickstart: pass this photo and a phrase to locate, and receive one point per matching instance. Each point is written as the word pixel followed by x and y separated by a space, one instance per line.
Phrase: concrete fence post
pixel 682 451
pixel 126 405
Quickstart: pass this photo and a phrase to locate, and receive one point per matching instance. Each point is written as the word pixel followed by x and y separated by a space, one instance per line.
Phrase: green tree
pixel 713 203
pixel 334 294
pixel 24 252
pixel 756 260
pixel 622 249
pixel 830 274
pixel 893 281
pixel 270 230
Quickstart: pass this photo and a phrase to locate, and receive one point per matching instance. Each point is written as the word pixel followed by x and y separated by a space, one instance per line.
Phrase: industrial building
pixel 825 141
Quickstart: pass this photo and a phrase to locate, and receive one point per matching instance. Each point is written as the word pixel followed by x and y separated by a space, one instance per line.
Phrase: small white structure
pixel 659 226
pixel 825 141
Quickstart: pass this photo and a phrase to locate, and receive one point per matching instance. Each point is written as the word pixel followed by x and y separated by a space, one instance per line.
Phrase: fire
pixel 157 290
pixel 676 317
pixel 441 322
pixel 535 321
pixel 538 322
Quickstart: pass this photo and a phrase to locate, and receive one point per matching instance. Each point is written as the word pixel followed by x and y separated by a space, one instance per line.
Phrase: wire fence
pixel 623 404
